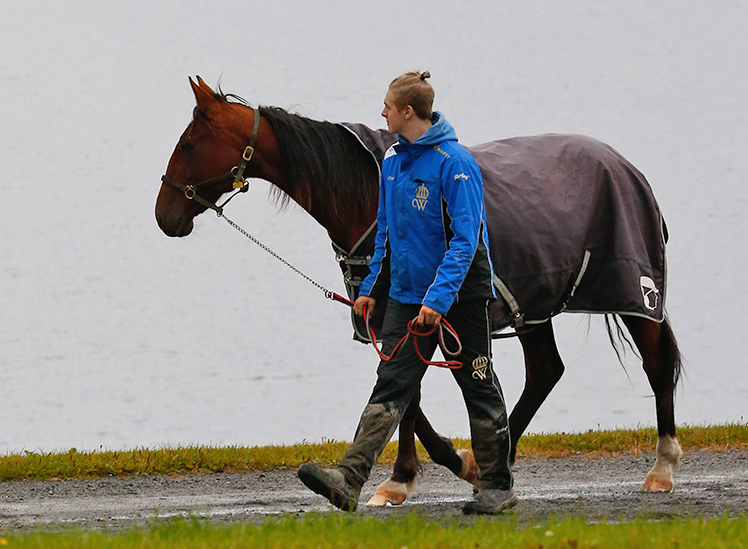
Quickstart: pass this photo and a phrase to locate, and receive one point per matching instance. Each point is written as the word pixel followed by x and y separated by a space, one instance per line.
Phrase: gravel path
pixel 708 484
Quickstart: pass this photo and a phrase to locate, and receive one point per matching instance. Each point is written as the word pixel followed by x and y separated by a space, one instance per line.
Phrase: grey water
pixel 114 336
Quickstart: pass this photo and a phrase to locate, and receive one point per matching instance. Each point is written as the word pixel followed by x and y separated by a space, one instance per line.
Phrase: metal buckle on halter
pixel 189 192
pixel 248 152
pixel 239 181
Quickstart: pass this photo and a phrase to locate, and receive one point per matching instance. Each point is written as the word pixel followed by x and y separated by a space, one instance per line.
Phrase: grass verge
pixel 412 532
pixel 189 460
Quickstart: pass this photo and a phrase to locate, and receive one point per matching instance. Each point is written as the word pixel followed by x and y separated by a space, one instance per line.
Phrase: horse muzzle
pixel 175 226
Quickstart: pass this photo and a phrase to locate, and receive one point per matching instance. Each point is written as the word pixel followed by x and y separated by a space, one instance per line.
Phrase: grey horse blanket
pixel 573 226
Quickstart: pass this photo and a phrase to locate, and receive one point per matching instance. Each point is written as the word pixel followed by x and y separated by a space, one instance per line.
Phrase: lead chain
pixel 328 293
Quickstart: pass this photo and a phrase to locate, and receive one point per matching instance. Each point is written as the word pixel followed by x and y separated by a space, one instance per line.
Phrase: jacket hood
pixel 441 130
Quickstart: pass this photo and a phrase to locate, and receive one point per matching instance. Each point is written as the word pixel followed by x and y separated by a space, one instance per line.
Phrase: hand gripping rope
pixel 441 327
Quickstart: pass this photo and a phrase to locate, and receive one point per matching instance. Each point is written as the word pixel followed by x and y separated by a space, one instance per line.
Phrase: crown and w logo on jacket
pixel 422 197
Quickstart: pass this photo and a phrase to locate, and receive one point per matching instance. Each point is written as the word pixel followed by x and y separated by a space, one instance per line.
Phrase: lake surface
pixel 114 336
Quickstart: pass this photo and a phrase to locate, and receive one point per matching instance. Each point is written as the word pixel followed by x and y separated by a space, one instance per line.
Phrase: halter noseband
pixel 237 172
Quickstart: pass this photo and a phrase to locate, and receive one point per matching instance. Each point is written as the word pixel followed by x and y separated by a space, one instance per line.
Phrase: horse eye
pixel 186 146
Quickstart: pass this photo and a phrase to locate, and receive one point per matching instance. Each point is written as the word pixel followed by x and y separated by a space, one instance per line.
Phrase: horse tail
pixel 669 352
pixel 618 344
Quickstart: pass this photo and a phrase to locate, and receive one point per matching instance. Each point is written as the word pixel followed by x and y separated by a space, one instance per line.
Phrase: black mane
pixel 325 163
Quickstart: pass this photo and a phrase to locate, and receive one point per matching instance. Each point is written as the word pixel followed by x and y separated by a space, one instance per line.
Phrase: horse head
pixel 202 161
pixel 321 166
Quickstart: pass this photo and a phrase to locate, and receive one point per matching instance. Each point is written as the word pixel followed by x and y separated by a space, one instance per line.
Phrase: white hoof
pixel 657 483
pixel 394 493
pixel 470 470
pixel 660 478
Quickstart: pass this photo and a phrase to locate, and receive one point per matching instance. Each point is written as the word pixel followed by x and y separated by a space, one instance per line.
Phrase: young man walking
pixel 431 261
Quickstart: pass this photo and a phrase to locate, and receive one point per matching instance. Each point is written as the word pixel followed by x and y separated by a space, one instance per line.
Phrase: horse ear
pixel 203 95
pixel 204 86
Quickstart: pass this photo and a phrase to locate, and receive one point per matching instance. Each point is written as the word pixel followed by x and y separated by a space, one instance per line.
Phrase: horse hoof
pixel 660 477
pixel 392 492
pixel 657 484
pixel 470 470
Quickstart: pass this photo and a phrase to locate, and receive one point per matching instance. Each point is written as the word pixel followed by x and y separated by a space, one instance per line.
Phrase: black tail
pixel 670 352
pixel 669 346
pixel 622 338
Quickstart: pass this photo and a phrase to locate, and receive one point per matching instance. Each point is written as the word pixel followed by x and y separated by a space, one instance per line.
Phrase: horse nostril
pixel 180 226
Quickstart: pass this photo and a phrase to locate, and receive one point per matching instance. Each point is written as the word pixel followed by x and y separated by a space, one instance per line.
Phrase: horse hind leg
pixel 662 364
pixel 442 452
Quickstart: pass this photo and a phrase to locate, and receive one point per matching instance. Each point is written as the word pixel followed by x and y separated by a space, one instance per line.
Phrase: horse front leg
pixel 543 369
pixel 402 484
pixel 662 363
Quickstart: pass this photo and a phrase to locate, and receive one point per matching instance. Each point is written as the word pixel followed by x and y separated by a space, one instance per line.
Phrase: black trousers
pixel 399 379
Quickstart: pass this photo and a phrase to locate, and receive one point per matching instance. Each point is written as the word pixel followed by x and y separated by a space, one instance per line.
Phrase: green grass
pixel 633 441
pixel 413 532
pixel 190 460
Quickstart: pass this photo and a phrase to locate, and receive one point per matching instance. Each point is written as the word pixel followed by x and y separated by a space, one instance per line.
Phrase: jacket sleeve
pixel 462 193
pixel 377 283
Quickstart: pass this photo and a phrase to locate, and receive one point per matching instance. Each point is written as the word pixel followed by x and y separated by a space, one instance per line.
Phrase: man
pixel 431 256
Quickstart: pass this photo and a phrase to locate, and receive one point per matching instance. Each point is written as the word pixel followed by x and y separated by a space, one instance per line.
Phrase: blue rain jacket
pixel 432 242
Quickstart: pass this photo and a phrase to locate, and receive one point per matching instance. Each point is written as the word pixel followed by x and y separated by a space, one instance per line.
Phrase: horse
pixel 324 168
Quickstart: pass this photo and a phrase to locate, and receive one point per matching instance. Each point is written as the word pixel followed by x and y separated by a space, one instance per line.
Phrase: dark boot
pixel 490 501
pixel 330 483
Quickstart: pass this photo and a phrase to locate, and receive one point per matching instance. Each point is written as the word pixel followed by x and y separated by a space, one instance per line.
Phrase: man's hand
pixel 428 316
pixel 364 301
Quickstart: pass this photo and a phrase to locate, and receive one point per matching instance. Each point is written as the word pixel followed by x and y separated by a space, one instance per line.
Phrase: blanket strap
pixel 519 318
pixel 355 267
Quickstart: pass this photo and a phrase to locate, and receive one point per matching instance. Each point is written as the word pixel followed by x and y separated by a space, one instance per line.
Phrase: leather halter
pixel 237 172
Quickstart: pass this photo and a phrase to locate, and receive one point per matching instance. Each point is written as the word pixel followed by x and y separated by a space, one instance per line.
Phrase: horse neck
pixel 344 223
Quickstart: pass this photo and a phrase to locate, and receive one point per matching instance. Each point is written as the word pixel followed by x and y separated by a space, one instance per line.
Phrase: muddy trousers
pixel 399 379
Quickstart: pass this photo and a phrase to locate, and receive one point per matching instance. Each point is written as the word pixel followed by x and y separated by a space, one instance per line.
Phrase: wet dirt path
pixel 708 484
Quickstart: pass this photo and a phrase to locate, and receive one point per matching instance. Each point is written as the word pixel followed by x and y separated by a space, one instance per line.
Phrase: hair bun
pixel 425 75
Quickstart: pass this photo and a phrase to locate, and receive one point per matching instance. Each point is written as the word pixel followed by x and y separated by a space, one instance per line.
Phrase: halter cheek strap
pixel 239 181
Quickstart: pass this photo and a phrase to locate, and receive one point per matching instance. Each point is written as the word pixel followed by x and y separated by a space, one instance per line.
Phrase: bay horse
pixel 323 167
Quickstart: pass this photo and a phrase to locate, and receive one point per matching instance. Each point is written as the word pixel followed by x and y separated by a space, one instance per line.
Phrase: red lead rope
pixel 442 327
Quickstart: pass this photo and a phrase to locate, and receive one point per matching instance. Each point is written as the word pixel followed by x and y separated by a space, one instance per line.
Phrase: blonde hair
pixel 411 88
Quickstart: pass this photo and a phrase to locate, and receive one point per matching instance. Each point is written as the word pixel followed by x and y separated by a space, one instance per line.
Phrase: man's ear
pixel 408 112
